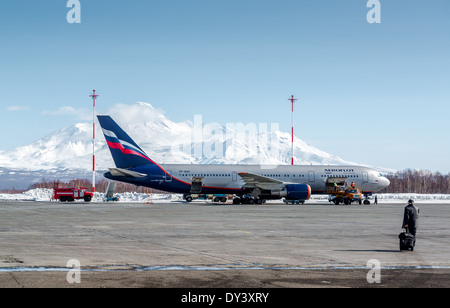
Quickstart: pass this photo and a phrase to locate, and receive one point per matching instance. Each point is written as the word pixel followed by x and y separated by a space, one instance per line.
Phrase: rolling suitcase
pixel 407 241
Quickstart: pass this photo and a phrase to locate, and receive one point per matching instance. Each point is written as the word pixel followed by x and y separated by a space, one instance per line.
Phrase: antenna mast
pixel 94 96
pixel 292 99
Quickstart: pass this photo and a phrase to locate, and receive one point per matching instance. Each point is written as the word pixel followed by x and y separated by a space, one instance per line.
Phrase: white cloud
pixel 80 113
pixel 18 108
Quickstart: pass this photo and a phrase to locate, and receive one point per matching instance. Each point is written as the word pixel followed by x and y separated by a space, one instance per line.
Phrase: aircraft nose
pixel 386 182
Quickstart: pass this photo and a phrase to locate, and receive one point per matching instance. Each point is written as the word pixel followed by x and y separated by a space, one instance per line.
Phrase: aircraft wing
pixel 126 173
pixel 263 182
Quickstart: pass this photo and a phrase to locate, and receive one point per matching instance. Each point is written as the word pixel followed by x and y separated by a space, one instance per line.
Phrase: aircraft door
pixel 234 176
pixel 311 176
pixel 196 187
pixel 365 177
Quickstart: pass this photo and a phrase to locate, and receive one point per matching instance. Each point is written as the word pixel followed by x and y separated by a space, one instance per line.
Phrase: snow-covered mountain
pixel 164 141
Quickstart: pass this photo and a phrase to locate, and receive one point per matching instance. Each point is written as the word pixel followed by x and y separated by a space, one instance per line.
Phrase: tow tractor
pixel 341 193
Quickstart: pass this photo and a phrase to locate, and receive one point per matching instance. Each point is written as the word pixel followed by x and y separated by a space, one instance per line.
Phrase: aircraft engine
pixel 298 191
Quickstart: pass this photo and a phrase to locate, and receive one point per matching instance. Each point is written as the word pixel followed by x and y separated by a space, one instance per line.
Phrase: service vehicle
pixel 72 194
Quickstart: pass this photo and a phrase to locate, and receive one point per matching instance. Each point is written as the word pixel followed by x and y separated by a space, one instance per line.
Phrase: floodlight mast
pixel 292 99
pixel 94 96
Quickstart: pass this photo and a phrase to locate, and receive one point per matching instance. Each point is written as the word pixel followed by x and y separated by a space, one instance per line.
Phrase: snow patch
pixel 43 194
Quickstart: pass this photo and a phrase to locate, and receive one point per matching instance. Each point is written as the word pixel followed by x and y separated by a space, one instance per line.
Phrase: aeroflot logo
pixel 338 170
pixel 126 148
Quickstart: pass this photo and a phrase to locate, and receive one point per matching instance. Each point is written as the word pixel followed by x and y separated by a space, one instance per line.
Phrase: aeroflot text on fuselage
pixel 338 170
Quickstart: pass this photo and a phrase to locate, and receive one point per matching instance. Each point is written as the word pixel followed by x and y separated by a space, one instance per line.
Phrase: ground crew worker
pixel 411 218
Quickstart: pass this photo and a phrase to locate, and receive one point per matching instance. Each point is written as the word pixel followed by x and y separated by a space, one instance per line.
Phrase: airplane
pixel 248 183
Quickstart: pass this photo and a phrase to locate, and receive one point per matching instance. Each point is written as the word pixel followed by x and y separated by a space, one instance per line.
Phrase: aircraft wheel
pixel 189 199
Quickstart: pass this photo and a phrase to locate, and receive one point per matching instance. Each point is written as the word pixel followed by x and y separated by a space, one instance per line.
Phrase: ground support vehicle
pixel 214 198
pixel 345 195
pixel 72 194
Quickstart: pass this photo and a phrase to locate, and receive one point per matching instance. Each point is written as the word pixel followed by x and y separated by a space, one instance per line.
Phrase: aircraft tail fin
pixel 125 152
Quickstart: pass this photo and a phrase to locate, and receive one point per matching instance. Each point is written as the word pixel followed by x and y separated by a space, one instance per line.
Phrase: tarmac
pixel 205 245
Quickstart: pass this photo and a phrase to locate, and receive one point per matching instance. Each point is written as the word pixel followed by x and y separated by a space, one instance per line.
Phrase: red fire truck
pixel 70 194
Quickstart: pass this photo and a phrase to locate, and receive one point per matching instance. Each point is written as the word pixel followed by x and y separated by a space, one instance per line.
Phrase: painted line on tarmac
pixel 208 268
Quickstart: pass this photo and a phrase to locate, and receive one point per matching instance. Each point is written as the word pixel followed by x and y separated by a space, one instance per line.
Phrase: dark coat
pixel 411 217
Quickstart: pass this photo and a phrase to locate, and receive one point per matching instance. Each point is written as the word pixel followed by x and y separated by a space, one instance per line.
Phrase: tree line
pixel 418 181
pixel 100 186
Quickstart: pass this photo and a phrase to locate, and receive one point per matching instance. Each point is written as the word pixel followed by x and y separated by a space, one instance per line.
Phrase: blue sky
pixel 377 94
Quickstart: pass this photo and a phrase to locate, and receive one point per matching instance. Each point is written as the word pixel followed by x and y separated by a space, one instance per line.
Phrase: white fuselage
pixel 227 176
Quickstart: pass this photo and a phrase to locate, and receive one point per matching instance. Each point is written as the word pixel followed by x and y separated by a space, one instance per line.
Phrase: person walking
pixel 411 218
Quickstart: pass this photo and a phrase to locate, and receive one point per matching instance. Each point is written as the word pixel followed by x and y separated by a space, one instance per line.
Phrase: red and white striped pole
pixel 94 96
pixel 292 99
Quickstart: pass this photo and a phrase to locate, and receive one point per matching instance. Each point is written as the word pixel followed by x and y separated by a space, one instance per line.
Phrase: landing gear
pixel 220 199
pixel 285 201
pixel 366 200
pixel 248 200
